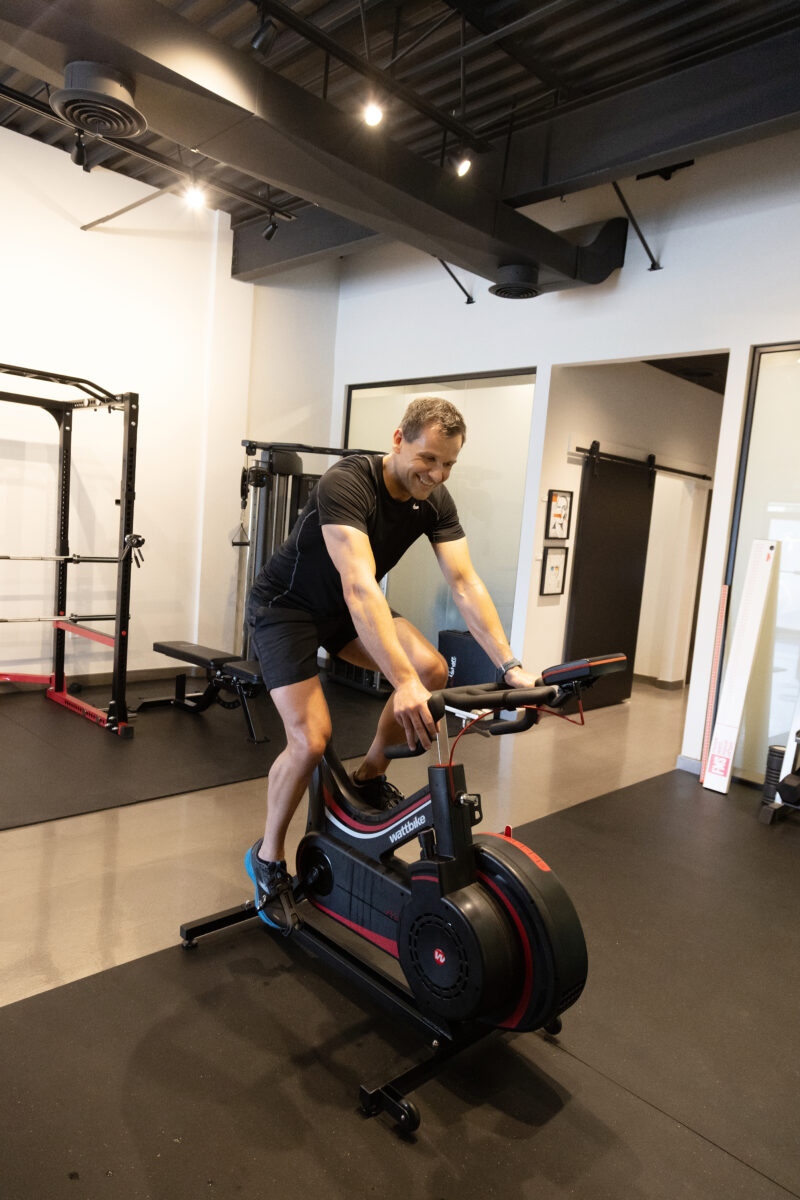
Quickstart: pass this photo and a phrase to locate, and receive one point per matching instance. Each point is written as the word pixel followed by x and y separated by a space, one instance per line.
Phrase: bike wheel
pixel 553 949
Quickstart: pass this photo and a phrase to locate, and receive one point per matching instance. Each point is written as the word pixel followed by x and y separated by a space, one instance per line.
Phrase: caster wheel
pixel 553 1027
pixel 409 1116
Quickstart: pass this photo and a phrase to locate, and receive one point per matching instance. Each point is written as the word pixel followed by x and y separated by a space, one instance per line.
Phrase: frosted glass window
pixel 487 484
pixel 771 509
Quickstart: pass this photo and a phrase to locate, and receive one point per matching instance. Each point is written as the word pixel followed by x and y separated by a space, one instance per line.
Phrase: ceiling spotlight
pixel 373 113
pixel 194 196
pixel 461 162
pixel 264 37
pixel 269 231
pixel 78 155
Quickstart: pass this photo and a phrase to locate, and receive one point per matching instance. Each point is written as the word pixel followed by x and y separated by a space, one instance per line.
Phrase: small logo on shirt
pixel 415 507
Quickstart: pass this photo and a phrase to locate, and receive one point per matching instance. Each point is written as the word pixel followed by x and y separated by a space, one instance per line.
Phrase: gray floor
pixel 91 892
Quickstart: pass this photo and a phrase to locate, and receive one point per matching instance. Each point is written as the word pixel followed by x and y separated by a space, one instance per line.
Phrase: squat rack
pixel 115 718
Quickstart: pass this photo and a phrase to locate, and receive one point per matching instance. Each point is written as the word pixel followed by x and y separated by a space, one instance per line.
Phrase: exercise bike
pixel 476 935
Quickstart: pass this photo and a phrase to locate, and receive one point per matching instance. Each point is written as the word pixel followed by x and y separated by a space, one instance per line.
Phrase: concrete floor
pixel 90 892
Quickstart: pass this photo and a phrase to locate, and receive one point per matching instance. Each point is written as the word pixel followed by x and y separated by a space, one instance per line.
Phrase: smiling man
pixel 322 589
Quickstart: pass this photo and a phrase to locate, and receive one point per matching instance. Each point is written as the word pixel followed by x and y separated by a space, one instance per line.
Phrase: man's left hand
pixel 517 678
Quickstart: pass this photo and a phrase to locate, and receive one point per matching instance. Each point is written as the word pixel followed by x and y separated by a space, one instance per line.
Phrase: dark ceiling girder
pixel 383 79
pixel 745 95
pixel 203 94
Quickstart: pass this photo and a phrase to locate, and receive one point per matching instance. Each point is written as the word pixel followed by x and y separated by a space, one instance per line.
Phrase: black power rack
pixel 115 717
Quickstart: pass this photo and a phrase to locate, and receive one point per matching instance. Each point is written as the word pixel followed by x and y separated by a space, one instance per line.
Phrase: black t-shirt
pixel 352 492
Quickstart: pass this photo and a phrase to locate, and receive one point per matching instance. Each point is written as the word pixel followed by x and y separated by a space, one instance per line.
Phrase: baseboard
pixel 667 684
pixel 692 765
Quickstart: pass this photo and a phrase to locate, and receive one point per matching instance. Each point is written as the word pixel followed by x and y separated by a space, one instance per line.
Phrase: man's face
pixel 418 466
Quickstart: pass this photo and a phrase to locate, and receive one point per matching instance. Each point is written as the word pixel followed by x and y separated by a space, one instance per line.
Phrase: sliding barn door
pixel 609 558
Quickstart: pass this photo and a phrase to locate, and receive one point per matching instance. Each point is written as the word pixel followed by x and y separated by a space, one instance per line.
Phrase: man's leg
pixel 304 711
pixel 432 670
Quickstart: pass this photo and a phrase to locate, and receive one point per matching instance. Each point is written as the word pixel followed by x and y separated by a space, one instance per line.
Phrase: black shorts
pixel 286 641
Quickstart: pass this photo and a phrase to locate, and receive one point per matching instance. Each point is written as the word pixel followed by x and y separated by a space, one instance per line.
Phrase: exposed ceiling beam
pixel 203 94
pixel 747 94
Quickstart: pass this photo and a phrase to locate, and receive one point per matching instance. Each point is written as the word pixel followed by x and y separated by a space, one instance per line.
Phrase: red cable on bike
pixel 545 712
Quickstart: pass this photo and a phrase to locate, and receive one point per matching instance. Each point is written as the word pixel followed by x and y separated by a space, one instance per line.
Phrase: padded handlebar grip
pixel 483 696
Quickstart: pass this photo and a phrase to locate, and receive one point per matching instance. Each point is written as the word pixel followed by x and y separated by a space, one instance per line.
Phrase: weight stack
pixel 467 662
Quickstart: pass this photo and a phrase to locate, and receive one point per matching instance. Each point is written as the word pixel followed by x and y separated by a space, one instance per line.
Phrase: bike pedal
pixel 289 912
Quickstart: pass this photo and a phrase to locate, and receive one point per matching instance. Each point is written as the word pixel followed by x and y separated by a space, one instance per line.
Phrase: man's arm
pixel 352 556
pixel 477 607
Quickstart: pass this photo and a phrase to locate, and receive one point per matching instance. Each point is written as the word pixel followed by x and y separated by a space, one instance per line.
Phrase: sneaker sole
pixel 260 912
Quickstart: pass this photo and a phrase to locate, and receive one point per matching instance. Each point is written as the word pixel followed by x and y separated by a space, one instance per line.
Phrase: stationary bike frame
pixel 484 934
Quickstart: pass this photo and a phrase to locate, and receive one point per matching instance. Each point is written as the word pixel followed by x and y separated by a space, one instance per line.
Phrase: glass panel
pixel 771 509
pixel 487 484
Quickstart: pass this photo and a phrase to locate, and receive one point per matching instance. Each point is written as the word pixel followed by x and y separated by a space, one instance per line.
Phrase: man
pixel 321 589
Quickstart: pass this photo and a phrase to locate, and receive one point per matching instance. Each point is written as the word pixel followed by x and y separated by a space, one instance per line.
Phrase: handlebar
pixel 492 696
pixel 568 681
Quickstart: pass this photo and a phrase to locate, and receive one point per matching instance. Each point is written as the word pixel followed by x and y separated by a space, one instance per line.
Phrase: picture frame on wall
pixel 554 571
pixel 559 513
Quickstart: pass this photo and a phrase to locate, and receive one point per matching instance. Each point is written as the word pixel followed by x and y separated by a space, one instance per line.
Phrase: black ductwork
pixel 208 96
pixel 98 99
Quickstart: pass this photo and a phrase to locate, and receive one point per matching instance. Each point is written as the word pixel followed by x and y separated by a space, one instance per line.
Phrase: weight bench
pixel 225 672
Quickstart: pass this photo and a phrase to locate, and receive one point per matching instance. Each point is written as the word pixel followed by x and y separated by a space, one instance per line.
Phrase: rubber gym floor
pixel 233 1070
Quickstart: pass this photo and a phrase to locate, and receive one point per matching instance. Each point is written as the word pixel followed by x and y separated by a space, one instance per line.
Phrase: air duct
pixel 516 282
pixel 98 99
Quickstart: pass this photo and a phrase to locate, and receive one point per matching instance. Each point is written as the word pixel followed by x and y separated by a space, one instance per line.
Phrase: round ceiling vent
pixel 518 282
pixel 98 99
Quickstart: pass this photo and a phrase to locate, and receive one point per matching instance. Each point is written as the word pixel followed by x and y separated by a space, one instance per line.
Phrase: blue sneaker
pixel 273 884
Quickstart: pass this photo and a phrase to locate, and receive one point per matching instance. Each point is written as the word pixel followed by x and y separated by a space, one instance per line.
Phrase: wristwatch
pixel 501 671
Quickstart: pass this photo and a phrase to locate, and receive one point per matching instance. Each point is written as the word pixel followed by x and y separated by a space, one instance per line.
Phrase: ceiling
pixel 549 98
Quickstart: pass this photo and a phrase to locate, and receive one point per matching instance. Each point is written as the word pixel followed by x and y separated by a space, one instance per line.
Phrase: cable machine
pixel 115 717
pixel 275 489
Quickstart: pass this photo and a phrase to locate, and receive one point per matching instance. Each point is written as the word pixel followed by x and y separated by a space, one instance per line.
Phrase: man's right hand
pixel 412 713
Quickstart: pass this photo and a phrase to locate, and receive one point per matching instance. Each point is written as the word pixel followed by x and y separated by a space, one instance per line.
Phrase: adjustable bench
pixel 225 672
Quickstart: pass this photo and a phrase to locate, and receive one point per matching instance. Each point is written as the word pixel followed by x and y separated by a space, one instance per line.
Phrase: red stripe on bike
pixel 335 808
pixel 383 943
pixel 539 862
pixel 513 1021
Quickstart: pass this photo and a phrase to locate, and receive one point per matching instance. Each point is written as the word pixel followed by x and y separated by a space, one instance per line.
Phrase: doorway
pixel 633 410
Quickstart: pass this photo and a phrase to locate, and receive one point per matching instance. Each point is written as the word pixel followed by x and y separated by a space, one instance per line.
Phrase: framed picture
pixel 559 513
pixel 554 571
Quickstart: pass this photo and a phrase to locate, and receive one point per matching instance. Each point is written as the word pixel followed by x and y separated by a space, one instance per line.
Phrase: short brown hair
pixel 432 410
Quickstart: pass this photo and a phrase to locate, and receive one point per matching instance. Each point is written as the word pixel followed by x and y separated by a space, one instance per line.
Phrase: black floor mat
pixel 233 1069
pixel 58 764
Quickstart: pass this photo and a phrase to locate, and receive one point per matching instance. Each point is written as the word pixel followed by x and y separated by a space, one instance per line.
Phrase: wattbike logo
pixel 405 828
pixel 438 956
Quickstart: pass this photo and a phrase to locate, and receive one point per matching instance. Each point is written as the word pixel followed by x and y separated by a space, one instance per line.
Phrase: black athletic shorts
pixel 286 641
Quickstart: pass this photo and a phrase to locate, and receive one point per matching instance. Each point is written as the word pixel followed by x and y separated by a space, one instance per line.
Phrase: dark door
pixel 609 558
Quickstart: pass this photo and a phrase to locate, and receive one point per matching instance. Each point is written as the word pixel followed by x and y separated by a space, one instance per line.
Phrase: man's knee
pixel 434 671
pixel 308 743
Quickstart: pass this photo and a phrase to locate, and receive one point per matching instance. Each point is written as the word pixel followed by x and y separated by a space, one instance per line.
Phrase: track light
pixel 78 155
pixel 264 37
pixel 269 231
pixel 194 196
pixel 460 161
pixel 373 113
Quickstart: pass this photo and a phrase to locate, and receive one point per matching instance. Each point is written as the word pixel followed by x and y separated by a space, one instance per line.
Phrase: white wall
pixel 728 238
pixel 144 304
pixel 294 337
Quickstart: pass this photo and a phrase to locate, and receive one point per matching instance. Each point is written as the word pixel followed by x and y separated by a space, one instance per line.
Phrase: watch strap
pixel 501 671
